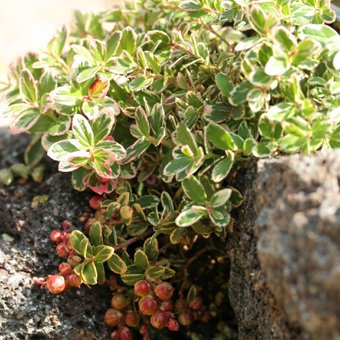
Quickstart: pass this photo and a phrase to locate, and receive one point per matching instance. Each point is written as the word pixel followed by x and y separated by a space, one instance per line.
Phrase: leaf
pixel 239 93
pixel 116 264
pixel 25 120
pixel 142 122
pixel 219 216
pixel 96 236
pixel 220 198
pixel 103 253
pixel 177 235
pixel 87 74
pixel 136 150
pixel 261 21
pixel 150 248
pixel 141 260
pixel 284 39
pixel 320 33
pixel 148 201
pixel 28 87
pixel 89 273
pixel 34 152
pixel 132 275
pixel 82 130
pixel 100 273
pixel 79 242
pixel 47 83
pixel 185 137
pixel 189 216
pixel 58 42
pixel 224 84
pixel 140 83
pixel 277 66
pixel 128 40
pixel 64 148
pixel 85 53
pixel 113 43
pixel 194 189
pixel 155 272
pixel 219 137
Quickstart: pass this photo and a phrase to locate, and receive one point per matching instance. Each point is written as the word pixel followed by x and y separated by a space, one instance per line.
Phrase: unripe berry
pixel 196 304
pixel 164 291
pixel 55 284
pixel 173 325
pixel 142 288
pixel 95 202
pixel 56 236
pixel 167 306
pixel 112 317
pixel 147 305
pixel 61 250
pixel 73 280
pixel 131 318
pixel 65 269
pixel 119 301
pixel 74 260
pixel 159 319
pixel 185 318
pixel 125 333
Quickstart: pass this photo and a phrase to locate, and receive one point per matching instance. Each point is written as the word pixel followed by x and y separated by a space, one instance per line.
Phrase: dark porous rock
pixel 26 311
pixel 285 249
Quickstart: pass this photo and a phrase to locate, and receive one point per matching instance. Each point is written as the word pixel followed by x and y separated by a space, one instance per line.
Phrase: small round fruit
pixel 65 269
pixel 55 284
pixel 164 291
pixel 112 317
pixel 125 333
pixel 56 236
pixel 74 260
pixel 142 288
pixel 159 319
pixel 167 306
pixel 147 305
pixel 73 280
pixel 196 304
pixel 173 325
pixel 131 318
pixel 61 250
pixel 185 318
pixel 119 301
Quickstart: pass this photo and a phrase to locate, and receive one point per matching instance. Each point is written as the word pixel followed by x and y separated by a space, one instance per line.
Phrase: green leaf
pixel 219 216
pixel 96 236
pixel 239 94
pixel 89 273
pixel 284 39
pixel 132 275
pixel 150 248
pixel 85 53
pixel 136 149
pixel 100 272
pixel 177 235
pixel 116 264
pixel 87 74
pixel 140 83
pixel 28 87
pixel 64 148
pixel 128 40
pixel 141 260
pixel 219 137
pixel 155 272
pixel 113 43
pixel 82 130
pixel 148 201
pixel 194 189
pixel 79 242
pixel 47 83
pixel 224 84
pixel 221 170
pixel 277 66
pixel 320 33
pixel 261 21
pixel 58 42
pixel 189 216
pixel 142 122
pixel 34 152
pixel 103 253
pixel 185 137
pixel 25 120
pixel 220 198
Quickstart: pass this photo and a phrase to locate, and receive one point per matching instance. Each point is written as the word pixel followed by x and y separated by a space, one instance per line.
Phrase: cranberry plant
pixel 154 106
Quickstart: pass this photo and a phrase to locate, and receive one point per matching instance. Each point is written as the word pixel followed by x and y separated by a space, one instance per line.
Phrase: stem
pixel 133 240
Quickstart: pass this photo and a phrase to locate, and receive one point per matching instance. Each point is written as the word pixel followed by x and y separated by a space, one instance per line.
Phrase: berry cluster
pixel 66 278
pixel 188 312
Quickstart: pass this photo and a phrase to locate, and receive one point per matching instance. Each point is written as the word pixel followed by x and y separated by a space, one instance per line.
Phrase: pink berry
pixel 55 284
pixel 147 305
pixel 159 319
pixel 112 317
pixel 142 288
pixel 56 236
pixel 119 301
pixel 66 224
pixel 125 333
pixel 131 318
pixel 164 291
pixel 73 280
pixel 173 325
pixel 61 250
pixel 167 306
pixel 65 269
pixel 196 304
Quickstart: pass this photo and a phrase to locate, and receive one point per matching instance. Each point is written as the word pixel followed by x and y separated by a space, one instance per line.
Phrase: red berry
pixel 173 325
pixel 164 291
pixel 185 318
pixel 167 306
pixel 56 236
pixel 147 305
pixel 61 250
pixel 65 269
pixel 142 288
pixel 196 304
pixel 73 280
pixel 55 284
pixel 66 224
pixel 119 301
pixel 112 317
pixel 159 319
pixel 125 333
pixel 131 318
pixel 74 260
pixel 95 202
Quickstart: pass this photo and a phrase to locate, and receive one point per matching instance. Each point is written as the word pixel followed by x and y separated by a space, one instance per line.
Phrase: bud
pixel 185 318
pixel 95 202
pixel 131 318
pixel 125 333
pixel 61 250
pixel 66 224
pixel 55 284
pixel 164 291
pixel 173 325
pixel 196 304
pixel 56 236
pixel 167 306
pixel 159 319
pixel 65 269
pixel 112 317
pixel 68 244
pixel 119 301
pixel 147 305
pixel 142 288
pixel 6 177
pixel 73 280
pixel 74 260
